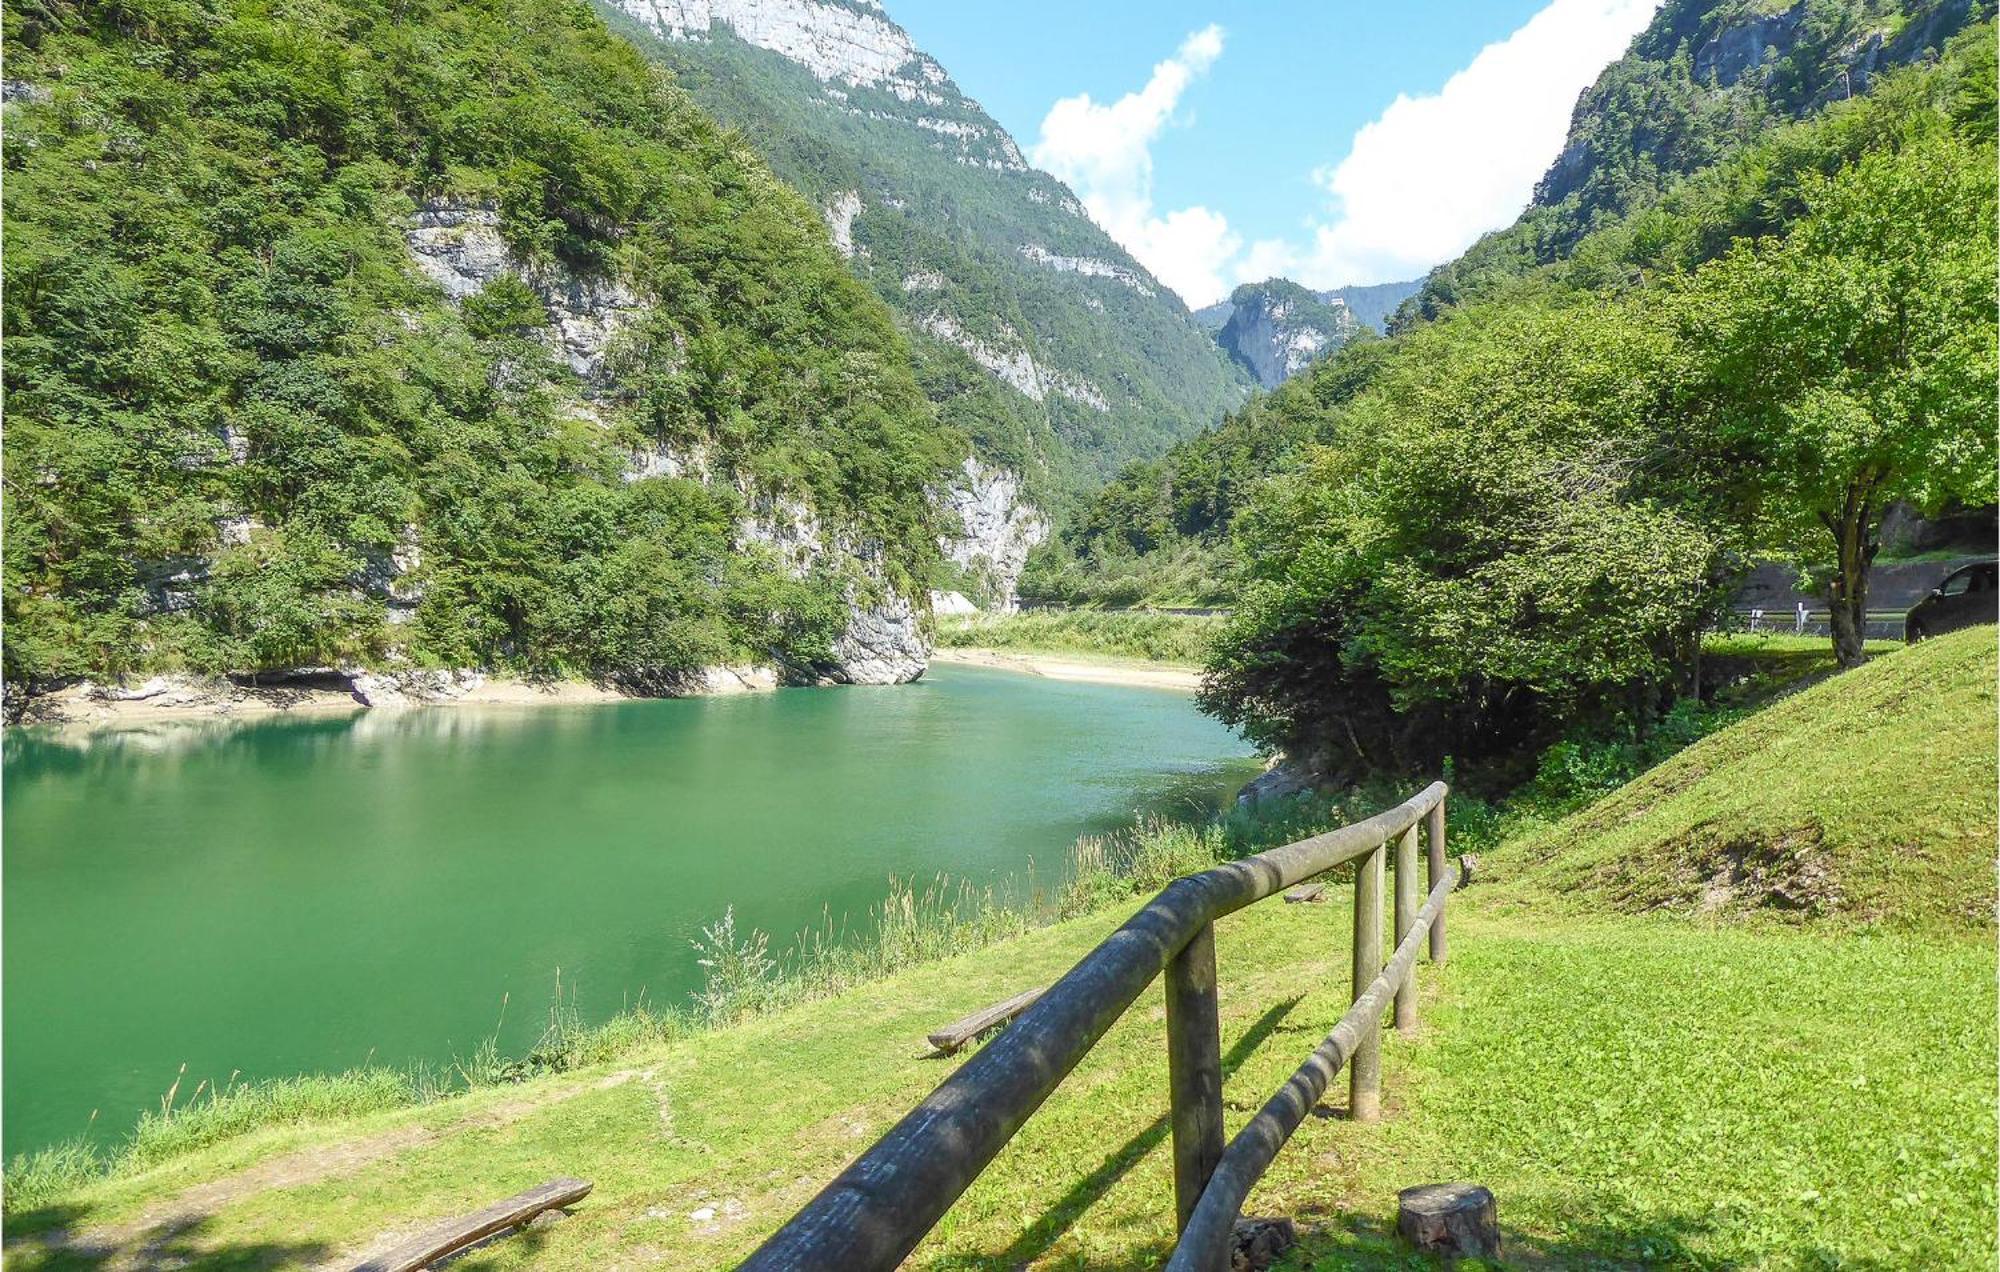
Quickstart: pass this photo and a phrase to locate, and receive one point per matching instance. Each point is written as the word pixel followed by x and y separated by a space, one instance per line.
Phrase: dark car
pixel 1968 595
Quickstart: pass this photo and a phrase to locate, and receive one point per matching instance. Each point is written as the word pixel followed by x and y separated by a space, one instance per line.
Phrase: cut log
pixel 959 1032
pixel 1306 892
pixel 453 1235
pixel 1449 1219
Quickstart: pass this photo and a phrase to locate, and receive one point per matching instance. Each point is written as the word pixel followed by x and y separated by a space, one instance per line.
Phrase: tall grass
pixel 741 978
pixel 1170 638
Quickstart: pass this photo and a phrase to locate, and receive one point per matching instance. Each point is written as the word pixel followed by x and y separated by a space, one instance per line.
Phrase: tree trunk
pixel 1847 590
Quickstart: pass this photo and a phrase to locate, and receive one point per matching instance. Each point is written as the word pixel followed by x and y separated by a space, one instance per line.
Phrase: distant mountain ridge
pixel 1277 328
pixel 1058 353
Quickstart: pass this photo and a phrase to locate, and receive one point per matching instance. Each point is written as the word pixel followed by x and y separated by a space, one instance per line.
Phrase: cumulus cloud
pixel 1105 152
pixel 1430 174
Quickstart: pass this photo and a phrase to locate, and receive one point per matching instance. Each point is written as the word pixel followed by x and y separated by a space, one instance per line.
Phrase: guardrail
pixel 877 1210
pixel 1801 620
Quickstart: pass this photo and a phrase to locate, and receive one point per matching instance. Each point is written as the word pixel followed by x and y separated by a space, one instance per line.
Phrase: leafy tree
pixel 1852 364
pixel 1476 565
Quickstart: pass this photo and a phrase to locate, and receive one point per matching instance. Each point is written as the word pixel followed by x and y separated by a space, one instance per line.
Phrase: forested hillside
pixel 1035 333
pixel 1507 525
pixel 453 336
pixel 1703 80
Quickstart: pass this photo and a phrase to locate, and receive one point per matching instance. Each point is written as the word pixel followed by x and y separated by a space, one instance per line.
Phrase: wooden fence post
pixel 1435 824
pixel 1194 1069
pixel 1364 1080
pixel 1408 899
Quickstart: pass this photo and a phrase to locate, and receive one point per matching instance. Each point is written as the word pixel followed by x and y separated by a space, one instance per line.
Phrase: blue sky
pixel 1335 142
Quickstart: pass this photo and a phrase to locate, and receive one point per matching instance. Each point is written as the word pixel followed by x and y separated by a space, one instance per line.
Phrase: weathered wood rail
pixel 877 1210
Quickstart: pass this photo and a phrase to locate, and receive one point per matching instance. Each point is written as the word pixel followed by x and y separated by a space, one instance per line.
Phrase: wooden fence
pixel 881 1206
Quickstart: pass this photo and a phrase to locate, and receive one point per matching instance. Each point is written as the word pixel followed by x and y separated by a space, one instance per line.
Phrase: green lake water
pixel 296 895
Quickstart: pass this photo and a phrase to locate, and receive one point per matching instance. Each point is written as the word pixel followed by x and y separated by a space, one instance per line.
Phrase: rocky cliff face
pixel 1705 74
pixel 458 246
pixel 1277 329
pixel 997 530
pixel 994 266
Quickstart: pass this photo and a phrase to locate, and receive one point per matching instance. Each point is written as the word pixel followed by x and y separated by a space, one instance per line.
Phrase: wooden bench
pixel 955 1035
pixel 453 1235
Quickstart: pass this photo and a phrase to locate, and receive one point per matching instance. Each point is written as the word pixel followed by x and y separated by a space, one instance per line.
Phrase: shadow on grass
pixel 1062 1216
pixel 1369 1242
pixel 179 1243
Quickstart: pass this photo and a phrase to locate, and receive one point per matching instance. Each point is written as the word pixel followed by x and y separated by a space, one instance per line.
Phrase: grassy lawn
pixel 1640 1089
pixel 1177 639
pixel 1866 798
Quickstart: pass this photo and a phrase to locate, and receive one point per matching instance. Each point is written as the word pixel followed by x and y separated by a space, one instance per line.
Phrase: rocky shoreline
pixel 324 690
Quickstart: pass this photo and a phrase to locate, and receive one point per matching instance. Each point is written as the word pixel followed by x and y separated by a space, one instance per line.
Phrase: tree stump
pixel 1256 1244
pixel 1451 1219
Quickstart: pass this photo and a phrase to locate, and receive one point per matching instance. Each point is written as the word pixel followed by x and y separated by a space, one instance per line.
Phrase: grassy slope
pixel 1634 1088
pixel 1867 797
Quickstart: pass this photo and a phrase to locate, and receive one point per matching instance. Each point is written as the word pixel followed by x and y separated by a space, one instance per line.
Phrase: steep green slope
pixel 1705 79
pixel 1088 361
pixel 1868 798
pixel 453 336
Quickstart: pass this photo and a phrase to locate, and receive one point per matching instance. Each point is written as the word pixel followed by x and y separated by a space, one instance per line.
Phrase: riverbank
pixel 1109 671
pixel 156 699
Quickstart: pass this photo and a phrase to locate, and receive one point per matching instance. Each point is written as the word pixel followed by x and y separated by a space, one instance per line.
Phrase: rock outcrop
pixel 458 246
pixel 1277 329
pixel 997 531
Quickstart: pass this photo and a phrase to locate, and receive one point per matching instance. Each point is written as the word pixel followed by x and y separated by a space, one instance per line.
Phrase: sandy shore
pixel 1076 667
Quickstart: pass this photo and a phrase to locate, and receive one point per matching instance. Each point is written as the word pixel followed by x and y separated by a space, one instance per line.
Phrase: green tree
pixel 1477 565
pixel 1851 364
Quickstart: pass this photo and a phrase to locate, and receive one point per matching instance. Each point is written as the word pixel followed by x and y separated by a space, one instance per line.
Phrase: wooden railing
pixel 880 1207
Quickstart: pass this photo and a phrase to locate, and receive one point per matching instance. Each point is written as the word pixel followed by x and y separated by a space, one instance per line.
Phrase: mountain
pixel 453 339
pixel 1373 304
pixel 1276 328
pixel 1703 80
pixel 1035 333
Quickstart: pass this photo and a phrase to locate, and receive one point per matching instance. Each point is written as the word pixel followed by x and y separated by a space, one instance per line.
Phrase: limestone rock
pixel 457 245
pixel 416 686
pixel 1285 779
pixel 997 530
pixel 840 216
pixel 883 645
pixel 1277 329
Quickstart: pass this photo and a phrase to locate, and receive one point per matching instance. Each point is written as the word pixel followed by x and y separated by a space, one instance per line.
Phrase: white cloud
pixel 1104 151
pixel 1432 173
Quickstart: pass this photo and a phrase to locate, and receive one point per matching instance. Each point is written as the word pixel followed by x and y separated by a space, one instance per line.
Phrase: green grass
pixel 1634 1090
pixel 1177 639
pixel 1663 1088
pixel 1867 798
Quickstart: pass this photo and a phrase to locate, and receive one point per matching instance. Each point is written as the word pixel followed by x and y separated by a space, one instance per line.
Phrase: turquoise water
pixel 295 895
